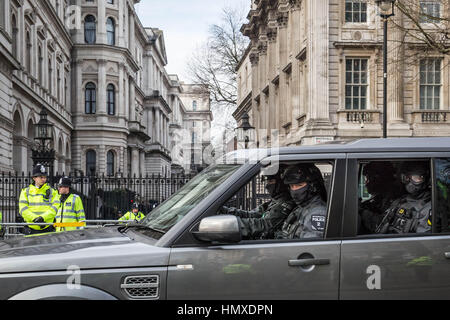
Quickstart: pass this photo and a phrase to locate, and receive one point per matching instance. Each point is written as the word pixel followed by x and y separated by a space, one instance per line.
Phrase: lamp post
pixel 245 132
pixel 42 152
pixel 386 9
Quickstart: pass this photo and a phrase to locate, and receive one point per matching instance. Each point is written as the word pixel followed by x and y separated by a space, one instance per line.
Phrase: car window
pixel 180 203
pixel 275 205
pixel 442 187
pixel 395 197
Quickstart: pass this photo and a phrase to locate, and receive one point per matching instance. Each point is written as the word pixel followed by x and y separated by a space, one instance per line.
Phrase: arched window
pixel 91 162
pixel 111 31
pixel 194 105
pixel 110 163
pixel 111 99
pixel 90 29
pixel 90 98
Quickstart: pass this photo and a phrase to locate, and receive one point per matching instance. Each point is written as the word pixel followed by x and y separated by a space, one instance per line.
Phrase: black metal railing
pixel 103 197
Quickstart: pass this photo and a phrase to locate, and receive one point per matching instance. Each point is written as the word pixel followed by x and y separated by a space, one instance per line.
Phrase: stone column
pixel 122 7
pixel 79 89
pixel 132 97
pixel 150 123
pixel 282 21
pixel 157 126
pixel 396 68
pixel 317 56
pixel 131 34
pixel 101 22
pixel 262 72
pixel 101 88
pixel 254 61
pixel 134 161
pixel 295 86
pixel 142 162
pixel 272 112
pixel 121 94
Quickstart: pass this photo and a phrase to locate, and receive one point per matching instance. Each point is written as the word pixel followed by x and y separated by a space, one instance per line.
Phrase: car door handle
pixel 308 262
pixel 447 255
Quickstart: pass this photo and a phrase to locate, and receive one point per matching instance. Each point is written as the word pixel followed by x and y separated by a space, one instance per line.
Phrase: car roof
pixel 412 144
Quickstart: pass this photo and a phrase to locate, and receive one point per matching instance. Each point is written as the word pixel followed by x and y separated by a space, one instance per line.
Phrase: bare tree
pixel 426 24
pixel 214 63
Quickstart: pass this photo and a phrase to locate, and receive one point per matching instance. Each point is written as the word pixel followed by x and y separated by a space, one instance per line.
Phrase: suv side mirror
pixel 222 228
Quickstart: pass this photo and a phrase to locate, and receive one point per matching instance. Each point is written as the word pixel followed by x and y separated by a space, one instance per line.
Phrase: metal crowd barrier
pixel 12 230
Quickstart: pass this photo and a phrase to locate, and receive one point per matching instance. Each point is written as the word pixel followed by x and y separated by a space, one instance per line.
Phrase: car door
pixel 263 269
pixel 408 266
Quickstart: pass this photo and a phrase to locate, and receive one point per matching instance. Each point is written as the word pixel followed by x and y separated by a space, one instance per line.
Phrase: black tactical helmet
pixel 304 172
pixel 378 168
pixel 411 169
pixel 414 167
pixel 39 170
pixel 65 182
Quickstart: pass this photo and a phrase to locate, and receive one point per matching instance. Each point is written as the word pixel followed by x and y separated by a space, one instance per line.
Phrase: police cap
pixel 39 170
pixel 65 182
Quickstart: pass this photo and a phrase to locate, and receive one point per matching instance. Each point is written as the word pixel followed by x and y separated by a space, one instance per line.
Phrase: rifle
pixel 384 224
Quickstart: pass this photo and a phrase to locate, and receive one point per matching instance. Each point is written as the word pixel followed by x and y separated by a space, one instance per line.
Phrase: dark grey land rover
pixel 187 249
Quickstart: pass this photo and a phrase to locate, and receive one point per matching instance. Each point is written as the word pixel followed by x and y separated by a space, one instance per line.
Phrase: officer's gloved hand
pixel 39 220
pixel 224 210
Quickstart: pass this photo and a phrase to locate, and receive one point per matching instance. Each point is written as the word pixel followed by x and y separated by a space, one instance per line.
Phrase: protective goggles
pixel 414 178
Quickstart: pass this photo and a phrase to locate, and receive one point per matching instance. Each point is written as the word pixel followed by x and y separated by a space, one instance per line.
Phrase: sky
pixel 185 25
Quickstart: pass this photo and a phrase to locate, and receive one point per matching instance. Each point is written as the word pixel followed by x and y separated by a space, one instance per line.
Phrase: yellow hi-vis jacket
pixel 131 216
pixel 35 202
pixel 71 211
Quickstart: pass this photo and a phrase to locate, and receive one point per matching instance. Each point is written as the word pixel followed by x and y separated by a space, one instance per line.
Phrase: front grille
pixel 141 287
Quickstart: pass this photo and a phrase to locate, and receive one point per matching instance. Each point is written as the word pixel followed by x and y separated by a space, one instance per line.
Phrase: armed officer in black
pixel 307 189
pixel 411 213
pixel 384 188
pixel 265 220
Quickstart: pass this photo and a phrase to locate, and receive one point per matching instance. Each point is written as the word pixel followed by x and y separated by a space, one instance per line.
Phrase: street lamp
pixel 42 152
pixel 245 132
pixel 386 10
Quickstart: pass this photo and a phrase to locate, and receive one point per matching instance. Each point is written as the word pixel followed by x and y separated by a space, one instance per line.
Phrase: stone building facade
pixel 314 73
pixel 101 76
pixel 191 129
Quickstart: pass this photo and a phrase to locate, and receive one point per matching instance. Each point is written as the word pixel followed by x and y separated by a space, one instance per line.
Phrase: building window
pixel 111 97
pixel 193 137
pixel 111 31
pixel 355 11
pixel 89 29
pixel 14 35
pixel 90 98
pixel 110 1
pixel 430 84
pixel 430 12
pixel 91 162
pixel 110 163
pixel 50 76
pixel 58 85
pixel 356 84
pixel 41 65
pixel 194 105
pixel 29 52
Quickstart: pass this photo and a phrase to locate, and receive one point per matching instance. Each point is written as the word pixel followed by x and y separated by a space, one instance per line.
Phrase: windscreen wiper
pixel 138 226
